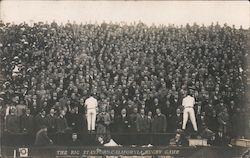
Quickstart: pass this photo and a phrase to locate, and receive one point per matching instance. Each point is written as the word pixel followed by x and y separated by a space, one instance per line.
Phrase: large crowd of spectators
pixel 51 69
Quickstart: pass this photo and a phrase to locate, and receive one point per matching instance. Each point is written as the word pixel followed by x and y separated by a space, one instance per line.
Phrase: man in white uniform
pixel 91 107
pixel 188 104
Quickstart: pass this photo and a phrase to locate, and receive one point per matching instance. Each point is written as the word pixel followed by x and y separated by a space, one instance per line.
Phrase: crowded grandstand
pixel 136 74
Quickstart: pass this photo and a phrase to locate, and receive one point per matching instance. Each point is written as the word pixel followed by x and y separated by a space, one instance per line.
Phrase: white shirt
pixel 188 101
pixel 91 103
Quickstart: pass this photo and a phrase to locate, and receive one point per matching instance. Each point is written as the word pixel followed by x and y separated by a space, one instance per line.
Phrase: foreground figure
pixel 91 105
pixel 188 112
pixel 42 138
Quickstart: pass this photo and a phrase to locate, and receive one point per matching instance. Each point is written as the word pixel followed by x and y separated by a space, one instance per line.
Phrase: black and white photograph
pixel 121 79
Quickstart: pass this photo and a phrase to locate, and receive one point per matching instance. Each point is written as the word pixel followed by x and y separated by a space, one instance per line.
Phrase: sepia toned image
pixel 119 79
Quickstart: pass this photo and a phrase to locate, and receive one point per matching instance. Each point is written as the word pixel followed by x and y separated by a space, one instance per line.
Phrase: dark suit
pixel 113 124
pixel 143 124
pixel 51 122
pixel 61 129
pixel 27 124
pixel 133 130
pixel 77 122
pixel 61 124
pixel 175 123
pixel 124 124
pixel 12 124
pixel 40 121
pixel 159 123
pixel 143 128
pixel 12 127
pixel 159 128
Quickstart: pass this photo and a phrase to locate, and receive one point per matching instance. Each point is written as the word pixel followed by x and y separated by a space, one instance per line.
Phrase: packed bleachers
pixel 52 66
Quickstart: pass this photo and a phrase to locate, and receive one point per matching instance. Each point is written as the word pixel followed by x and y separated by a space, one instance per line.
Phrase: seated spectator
pixel 74 141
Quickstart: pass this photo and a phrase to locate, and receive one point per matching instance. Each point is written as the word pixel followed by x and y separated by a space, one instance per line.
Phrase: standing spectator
pixel 124 125
pixel 159 127
pixel 51 121
pixel 91 107
pixel 176 121
pixel 27 122
pixel 12 126
pixel 202 120
pixel 223 119
pixel 62 128
pixel 133 129
pixel 212 121
pixel 113 124
pixel 61 123
pixel 103 122
pixel 76 120
pixel 153 105
pixel 20 108
pixel 143 128
pixel 12 123
pixel 151 119
pixel 40 120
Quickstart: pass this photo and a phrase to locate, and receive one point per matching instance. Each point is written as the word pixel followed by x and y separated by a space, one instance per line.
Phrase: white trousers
pixel 91 118
pixel 189 112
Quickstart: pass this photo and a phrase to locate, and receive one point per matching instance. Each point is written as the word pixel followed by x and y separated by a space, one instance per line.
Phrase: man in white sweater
pixel 188 112
pixel 91 107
